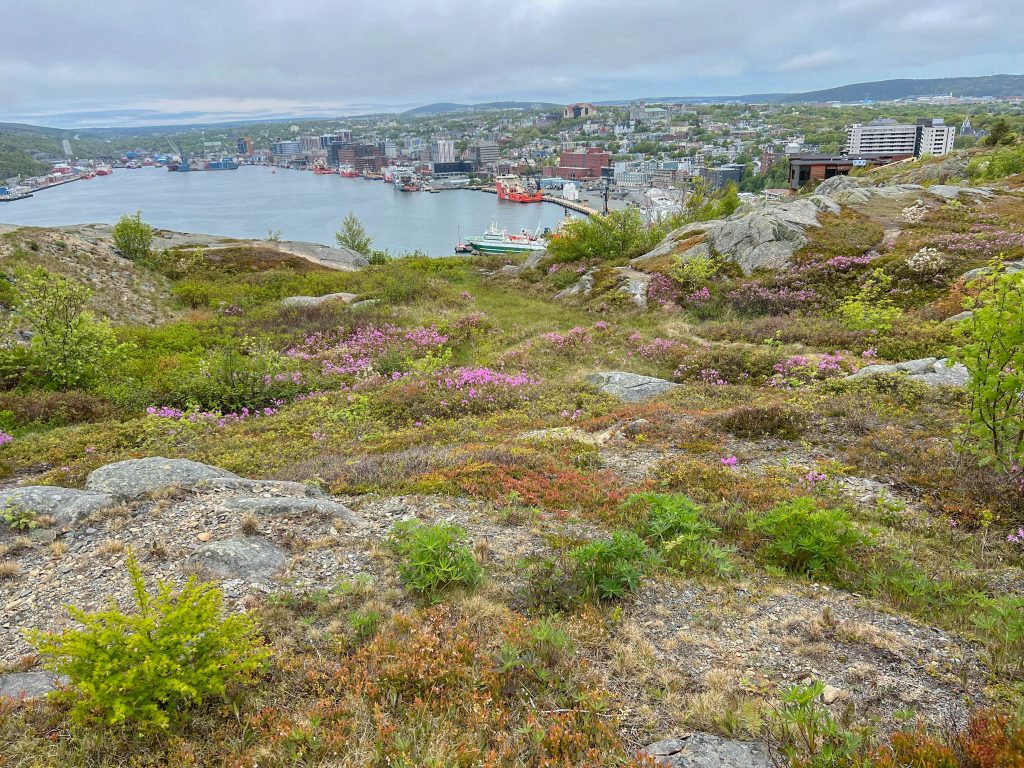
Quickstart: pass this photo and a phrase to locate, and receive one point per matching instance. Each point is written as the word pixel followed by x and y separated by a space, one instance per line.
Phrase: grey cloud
pixel 65 55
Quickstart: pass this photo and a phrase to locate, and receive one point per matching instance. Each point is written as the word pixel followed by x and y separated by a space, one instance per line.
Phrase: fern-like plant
pixel 431 557
pixel 146 667
pixel 806 540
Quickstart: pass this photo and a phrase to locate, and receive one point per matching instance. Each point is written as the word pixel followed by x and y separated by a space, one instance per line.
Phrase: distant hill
pixel 441 107
pixel 888 90
pixel 992 86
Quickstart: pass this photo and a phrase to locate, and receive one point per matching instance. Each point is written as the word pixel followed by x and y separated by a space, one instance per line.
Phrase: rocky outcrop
pixel 1009 267
pixel 133 478
pixel 928 370
pixel 705 750
pixel 316 301
pixel 29 685
pixel 764 238
pixel 271 506
pixel 633 284
pixel 629 387
pixel 581 287
pixel 251 559
pixel 65 505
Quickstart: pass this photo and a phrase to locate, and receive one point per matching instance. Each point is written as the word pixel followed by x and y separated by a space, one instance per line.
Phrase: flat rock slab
pixel 566 433
pixel 316 301
pixel 252 559
pixel 65 505
pixel 629 387
pixel 136 477
pixel 278 487
pixel 269 506
pixel 704 750
pixel 29 685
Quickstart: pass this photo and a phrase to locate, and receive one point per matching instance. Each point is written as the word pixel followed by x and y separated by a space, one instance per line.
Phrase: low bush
pixel 806 540
pixel 432 559
pixel 146 668
pixel 684 537
pixel 771 420
pixel 610 569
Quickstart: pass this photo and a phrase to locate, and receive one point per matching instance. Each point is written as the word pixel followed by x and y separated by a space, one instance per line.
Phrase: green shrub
pixel 806 735
pixel 993 352
pixel 133 237
pixel 685 538
pixel 431 559
pixel 353 235
pixel 871 308
pixel 18 518
pixel 1006 161
pixel 147 667
pixel 549 584
pixel 618 236
pixel 807 540
pixel 610 569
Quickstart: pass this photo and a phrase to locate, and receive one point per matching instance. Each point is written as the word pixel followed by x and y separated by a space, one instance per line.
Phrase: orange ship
pixel 511 187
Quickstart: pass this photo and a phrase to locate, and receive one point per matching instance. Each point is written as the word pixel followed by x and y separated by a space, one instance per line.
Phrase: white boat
pixel 496 240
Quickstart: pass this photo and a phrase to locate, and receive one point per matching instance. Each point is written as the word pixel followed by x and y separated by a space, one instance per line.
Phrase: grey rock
pixel 252 559
pixel 268 506
pixel 535 258
pixel 629 387
pixel 952 192
pixel 967 314
pixel 704 750
pixel 316 301
pixel 133 478
pixel 65 505
pixel 636 427
pixel 365 303
pixel 581 287
pixel 927 370
pixel 1010 267
pixel 634 284
pixel 764 238
pixel 29 685
pixel 279 487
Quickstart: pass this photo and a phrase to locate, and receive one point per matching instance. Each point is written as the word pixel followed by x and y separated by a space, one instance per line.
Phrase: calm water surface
pixel 303 206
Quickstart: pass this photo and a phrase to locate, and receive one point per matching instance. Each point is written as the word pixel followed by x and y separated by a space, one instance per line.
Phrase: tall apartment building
pixel 886 136
pixel 309 143
pixel 285 148
pixel 443 151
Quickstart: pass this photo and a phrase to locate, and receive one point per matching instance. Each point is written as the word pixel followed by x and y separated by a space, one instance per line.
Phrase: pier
pixel 572 205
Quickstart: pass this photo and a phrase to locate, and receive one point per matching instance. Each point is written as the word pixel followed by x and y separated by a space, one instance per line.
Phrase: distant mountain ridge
pixel 441 107
pixel 991 86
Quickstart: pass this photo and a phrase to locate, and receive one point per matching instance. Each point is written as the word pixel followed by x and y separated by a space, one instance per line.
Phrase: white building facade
pixel 886 136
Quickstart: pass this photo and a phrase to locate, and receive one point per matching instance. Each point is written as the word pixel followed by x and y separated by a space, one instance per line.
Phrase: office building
pixel 584 165
pixel 244 145
pixel 723 175
pixel 486 153
pixel 886 136
pixel 579 110
pixel 443 151
pixel 289 148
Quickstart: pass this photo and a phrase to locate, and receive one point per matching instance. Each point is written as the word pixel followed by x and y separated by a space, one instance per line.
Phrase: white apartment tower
pixel 444 151
pixel 886 136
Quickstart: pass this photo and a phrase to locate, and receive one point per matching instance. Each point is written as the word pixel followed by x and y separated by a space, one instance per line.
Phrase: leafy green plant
pixel 147 667
pixel 807 540
pixel 1001 622
pixel 993 352
pixel 610 569
pixel 694 273
pixel 363 624
pixel 806 734
pixel 69 346
pixel 18 518
pixel 685 538
pixel 871 308
pixel 133 237
pixel 431 557
pixel 617 236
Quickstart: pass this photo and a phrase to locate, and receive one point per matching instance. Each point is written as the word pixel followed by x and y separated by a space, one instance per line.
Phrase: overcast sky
pixel 108 62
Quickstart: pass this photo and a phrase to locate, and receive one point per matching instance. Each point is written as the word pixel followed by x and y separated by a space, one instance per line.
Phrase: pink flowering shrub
pixel 574 338
pixel 5 438
pixel 457 391
pixel 772 300
pixel 799 370
pixel 369 350
pixel 213 418
pixel 663 290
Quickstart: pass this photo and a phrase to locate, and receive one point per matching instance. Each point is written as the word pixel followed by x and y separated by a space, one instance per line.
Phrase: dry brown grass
pixel 9 570
pixel 250 524
pixel 109 547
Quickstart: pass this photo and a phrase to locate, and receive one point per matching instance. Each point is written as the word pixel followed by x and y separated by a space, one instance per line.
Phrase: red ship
pixel 511 188
pixel 321 170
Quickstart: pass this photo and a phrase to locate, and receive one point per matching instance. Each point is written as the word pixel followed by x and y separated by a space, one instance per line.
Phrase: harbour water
pixel 301 205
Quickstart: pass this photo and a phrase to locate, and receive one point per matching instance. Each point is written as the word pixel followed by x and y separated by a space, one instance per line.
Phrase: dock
pixel 572 205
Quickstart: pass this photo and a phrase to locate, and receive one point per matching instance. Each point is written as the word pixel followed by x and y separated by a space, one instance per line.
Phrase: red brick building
pixel 584 165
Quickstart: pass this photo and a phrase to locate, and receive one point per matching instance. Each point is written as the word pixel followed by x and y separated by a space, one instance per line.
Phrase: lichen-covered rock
pixel 634 284
pixel 705 750
pixel 269 506
pixel 252 559
pixel 629 387
pixel 1010 267
pixel 581 287
pixel 927 370
pixel 133 478
pixel 316 301
pixel 764 238
pixel 278 487
pixel 65 505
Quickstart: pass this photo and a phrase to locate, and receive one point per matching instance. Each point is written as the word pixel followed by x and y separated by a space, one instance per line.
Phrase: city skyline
pixel 98 65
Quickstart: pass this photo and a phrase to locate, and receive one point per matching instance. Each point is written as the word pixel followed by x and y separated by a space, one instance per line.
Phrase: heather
pixel 544 573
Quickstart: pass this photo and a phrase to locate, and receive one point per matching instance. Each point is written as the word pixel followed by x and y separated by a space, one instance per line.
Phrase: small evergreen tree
pixel 353 235
pixel 133 237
